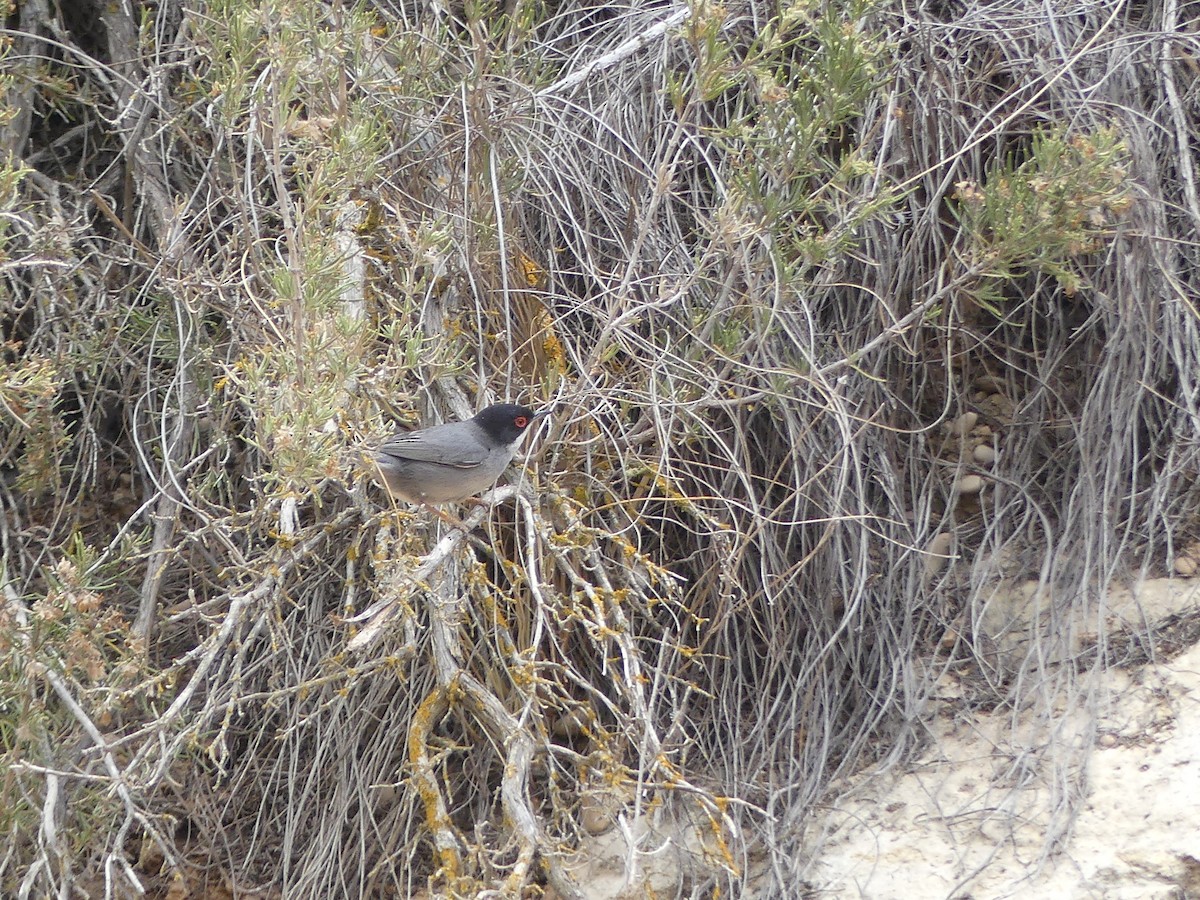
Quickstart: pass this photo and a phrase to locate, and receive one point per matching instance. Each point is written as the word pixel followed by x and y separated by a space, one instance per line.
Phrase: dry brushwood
pixel 855 312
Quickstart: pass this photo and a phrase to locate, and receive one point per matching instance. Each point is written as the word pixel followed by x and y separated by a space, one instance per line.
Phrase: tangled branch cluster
pixel 854 314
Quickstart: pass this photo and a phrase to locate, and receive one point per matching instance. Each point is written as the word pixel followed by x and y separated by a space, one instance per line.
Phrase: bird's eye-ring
pixel 521 421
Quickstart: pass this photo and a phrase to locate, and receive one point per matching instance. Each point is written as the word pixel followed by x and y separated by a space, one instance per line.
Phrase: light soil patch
pixel 970 817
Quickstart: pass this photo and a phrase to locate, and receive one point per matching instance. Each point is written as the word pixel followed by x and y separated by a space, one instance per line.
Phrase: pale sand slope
pixel 954 825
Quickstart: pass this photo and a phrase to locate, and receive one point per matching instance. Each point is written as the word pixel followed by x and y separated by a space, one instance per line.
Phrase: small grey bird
pixel 451 462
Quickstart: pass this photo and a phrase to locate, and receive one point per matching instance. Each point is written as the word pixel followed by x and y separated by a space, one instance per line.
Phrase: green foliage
pixel 78 630
pixel 19 727
pixel 32 433
pixel 1046 213
pixel 296 392
pixel 283 73
pixel 74 630
pixel 797 170
pixel 11 175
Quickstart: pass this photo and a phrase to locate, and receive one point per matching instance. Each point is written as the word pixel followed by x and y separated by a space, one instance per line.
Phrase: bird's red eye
pixel 520 421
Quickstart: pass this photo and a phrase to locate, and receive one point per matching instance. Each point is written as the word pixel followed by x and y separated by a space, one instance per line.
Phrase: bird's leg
pixel 452 521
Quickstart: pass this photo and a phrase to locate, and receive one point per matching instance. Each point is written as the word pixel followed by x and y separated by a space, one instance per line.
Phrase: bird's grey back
pixel 458 444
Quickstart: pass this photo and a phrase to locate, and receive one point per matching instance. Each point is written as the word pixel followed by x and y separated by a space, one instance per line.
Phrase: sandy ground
pixel 966 821
pixel 969 818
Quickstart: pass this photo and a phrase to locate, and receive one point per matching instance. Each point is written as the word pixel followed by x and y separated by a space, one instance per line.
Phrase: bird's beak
pixel 546 411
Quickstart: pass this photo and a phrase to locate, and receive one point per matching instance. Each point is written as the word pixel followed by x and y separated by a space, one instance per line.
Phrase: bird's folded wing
pixel 432 449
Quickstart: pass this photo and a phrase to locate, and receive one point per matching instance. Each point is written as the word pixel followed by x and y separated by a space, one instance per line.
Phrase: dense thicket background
pixel 855 313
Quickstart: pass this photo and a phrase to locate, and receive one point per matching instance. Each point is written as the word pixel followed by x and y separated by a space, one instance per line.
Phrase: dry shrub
pixel 782 268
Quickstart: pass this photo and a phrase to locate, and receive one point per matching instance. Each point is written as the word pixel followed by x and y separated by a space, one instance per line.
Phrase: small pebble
pixel 984 454
pixel 1185 566
pixel 970 484
pixel 938 552
pixel 594 818
pixel 993 384
pixel 568 726
pixel 963 424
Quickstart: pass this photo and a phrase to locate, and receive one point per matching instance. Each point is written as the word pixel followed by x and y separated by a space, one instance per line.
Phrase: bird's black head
pixel 505 422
